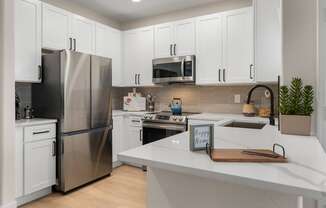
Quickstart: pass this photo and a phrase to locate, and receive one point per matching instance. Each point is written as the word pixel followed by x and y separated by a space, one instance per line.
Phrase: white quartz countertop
pixel 131 113
pixel 34 122
pixel 222 116
pixel 305 174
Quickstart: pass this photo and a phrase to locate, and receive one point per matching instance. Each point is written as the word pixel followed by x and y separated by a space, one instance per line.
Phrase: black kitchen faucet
pixel 272 114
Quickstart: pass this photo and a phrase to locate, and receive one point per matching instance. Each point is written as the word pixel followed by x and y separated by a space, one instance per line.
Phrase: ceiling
pixel 126 10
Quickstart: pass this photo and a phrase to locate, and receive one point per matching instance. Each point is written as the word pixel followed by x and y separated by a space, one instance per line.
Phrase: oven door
pixel 153 132
pixel 177 69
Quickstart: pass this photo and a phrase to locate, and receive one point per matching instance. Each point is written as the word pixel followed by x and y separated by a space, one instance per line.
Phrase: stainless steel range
pixel 157 126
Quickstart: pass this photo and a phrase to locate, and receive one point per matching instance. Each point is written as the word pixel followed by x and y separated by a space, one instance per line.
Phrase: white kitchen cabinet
pixel 108 44
pixel 35 160
pixel 185 37
pixel 39 163
pixel 164 40
pixel 83 32
pixel 209 50
pixel 56 27
pixel 238 46
pixel 146 56
pixel 135 137
pixel 19 162
pixel 28 41
pixel 225 48
pixel 118 137
pixel 101 40
pixel 268 40
pixel 130 57
pixel 175 39
pixel 138 53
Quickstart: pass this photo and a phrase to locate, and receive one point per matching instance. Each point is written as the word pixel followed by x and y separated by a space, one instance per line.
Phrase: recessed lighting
pixel 136 1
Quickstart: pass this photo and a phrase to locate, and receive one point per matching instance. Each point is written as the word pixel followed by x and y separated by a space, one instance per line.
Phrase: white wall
pixel 7 106
pixel 188 13
pixel 82 11
pixel 321 99
pixel 300 42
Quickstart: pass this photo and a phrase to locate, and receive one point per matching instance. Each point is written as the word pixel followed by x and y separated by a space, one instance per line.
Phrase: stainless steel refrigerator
pixel 76 90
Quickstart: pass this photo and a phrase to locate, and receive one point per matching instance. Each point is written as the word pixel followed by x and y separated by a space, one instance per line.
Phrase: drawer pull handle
pixel 136 121
pixel 41 132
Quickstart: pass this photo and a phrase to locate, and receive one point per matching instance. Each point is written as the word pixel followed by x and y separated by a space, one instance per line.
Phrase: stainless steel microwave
pixel 175 69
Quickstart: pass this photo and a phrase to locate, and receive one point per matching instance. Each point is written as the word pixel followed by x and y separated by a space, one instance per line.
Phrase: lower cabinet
pixel 127 134
pixel 39 165
pixel 35 161
pixel 117 137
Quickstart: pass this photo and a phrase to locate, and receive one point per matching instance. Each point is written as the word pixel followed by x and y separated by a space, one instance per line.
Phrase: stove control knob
pixel 174 118
pixel 180 119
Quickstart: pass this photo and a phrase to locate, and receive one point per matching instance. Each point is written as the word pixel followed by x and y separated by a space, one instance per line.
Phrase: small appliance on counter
pixel 134 102
pixel 176 106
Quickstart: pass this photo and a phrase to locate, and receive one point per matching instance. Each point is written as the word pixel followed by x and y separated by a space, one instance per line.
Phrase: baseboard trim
pixel 34 196
pixel 9 205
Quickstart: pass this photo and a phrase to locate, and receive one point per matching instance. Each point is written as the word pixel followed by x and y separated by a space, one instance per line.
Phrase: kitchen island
pixel 180 178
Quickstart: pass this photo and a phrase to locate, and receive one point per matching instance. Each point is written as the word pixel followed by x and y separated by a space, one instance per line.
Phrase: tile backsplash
pixel 211 99
pixel 214 99
pixel 24 91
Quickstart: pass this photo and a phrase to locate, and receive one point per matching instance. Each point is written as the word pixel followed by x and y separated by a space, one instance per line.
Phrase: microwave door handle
pixel 183 67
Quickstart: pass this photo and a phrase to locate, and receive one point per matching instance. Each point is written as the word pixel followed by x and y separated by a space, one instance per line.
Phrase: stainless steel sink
pixel 245 125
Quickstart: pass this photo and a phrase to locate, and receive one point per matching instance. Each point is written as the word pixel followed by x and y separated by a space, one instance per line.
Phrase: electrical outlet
pixel 237 99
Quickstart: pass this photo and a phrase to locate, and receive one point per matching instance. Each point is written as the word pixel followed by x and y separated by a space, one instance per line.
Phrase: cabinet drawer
pixel 41 132
pixel 135 121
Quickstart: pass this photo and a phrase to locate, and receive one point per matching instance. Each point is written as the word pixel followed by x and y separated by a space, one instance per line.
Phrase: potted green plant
pixel 296 108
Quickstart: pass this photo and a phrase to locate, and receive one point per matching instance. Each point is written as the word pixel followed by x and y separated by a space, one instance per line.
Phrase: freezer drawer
pixel 85 158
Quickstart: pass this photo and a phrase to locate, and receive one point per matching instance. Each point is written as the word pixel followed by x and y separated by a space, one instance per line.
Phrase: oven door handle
pixel 165 126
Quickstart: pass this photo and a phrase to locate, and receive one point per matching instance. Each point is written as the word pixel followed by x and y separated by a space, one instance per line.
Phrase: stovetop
pixel 167 117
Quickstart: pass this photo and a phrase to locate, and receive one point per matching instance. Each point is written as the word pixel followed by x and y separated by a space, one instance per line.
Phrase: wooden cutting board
pixel 237 155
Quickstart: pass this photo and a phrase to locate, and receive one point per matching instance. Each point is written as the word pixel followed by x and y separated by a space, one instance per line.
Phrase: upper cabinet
pixel 268 35
pixel 241 46
pixel 209 49
pixel 83 32
pixel 108 44
pixel 175 39
pixel 28 41
pixel 238 46
pixel 225 48
pixel 64 30
pixel 56 25
pixel 138 54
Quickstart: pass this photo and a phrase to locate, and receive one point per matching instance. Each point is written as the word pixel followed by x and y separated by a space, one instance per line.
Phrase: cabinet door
pixel 164 40
pixel 19 162
pixel 185 37
pixel 135 137
pixel 56 28
pixel 39 165
pixel 268 40
pixel 130 58
pixel 118 138
pixel 209 49
pixel 114 39
pixel 238 45
pixel 84 33
pixel 146 51
pixel 102 41
pixel 28 41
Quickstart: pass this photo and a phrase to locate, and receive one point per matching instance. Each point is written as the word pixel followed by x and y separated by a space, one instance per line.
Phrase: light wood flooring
pixel 126 188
